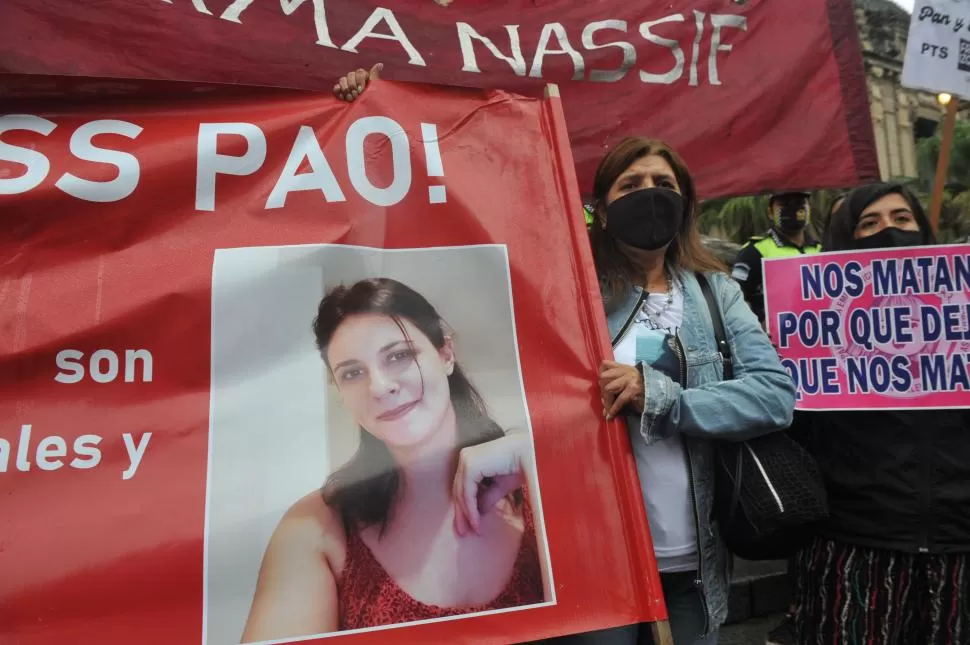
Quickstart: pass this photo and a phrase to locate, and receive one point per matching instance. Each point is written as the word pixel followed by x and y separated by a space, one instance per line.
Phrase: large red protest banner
pixel 882 329
pixel 163 403
pixel 756 95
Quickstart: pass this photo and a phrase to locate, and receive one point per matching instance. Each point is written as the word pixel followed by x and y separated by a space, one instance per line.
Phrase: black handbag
pixel 768 491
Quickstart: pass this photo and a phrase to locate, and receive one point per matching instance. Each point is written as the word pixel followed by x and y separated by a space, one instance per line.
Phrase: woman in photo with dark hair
pixel 433 516
pixel 890 565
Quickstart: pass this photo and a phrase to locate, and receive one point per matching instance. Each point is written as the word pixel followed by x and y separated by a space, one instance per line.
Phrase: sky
pixel 906 4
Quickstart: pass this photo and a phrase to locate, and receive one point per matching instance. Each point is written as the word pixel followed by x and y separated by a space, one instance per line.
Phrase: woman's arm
pixel 296 593
pixel 759 399
pixel 509 463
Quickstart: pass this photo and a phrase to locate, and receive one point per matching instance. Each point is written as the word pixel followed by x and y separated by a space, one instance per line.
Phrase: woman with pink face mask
pixel 890 566
pixel 432 516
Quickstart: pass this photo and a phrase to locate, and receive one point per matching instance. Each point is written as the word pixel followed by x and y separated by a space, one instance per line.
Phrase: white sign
pixel 938 48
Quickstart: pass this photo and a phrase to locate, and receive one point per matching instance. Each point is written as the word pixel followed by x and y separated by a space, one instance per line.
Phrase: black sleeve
pixel 747 271
pixel 801 429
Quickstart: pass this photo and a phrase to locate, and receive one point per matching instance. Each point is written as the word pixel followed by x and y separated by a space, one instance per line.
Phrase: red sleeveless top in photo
pixel 368 596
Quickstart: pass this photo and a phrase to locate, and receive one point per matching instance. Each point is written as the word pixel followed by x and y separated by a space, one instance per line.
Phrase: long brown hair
pixel 616 271
pixel 363 491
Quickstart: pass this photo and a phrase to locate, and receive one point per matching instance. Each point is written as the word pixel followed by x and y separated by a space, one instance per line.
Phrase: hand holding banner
pixel 221 312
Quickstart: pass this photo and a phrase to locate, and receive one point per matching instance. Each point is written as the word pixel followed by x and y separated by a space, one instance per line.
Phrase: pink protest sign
pixel 885 329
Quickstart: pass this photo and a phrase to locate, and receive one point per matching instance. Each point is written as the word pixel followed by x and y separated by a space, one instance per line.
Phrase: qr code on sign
pixel 964 62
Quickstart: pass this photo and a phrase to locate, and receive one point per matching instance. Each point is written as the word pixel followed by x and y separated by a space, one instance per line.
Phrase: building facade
pixel 900 116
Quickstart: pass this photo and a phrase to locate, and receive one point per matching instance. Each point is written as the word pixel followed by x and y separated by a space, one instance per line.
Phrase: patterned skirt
pixel 854 595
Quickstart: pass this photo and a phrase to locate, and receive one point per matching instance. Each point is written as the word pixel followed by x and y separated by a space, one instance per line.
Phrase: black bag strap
pixel 719 335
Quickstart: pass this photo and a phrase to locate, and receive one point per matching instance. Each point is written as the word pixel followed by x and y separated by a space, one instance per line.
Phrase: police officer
pixel 788 236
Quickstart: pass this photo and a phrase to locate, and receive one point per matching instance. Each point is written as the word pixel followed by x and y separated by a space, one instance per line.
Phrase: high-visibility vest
pixel 769 247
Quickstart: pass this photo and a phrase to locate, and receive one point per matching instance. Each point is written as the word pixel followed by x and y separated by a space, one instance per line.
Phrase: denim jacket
pixel 760 399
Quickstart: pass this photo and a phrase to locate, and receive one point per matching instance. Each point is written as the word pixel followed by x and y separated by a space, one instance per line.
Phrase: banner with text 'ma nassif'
pixel 756 95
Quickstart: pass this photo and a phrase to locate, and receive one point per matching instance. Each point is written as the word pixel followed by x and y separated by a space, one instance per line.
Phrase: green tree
pixel 739 218
pixel 822 201
pixel 735 219
pixel 955 206
pixel 958 172
pixel 954 217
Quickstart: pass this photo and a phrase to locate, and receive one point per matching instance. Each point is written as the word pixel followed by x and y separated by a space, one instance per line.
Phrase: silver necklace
pixel 656 316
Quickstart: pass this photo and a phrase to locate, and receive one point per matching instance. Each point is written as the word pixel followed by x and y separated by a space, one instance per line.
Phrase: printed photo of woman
pixel 433 516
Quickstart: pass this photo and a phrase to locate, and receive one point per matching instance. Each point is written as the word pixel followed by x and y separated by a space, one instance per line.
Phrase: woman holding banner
pixel 890 566
pixel 666 376
pixel 432 516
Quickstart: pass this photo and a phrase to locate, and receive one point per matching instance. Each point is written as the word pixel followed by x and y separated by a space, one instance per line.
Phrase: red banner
pixel 757 95
pixel 167 421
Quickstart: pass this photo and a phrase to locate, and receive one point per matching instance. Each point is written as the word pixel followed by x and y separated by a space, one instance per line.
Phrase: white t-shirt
pixel 662 466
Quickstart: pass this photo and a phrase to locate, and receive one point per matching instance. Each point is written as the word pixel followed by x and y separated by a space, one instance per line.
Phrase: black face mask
pixel 791 215
pixel 647 219
pixel 889 238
